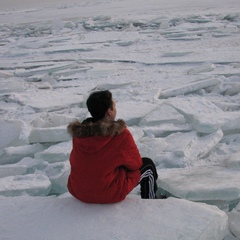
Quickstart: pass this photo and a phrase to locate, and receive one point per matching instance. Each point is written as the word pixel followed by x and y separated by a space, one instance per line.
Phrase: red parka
pixel 105 162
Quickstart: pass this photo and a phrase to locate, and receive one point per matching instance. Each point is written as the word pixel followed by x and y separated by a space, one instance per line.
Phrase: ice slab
pixel 227 106
pixel 206 67
pixel 166 129
pixel 234 161
pixel 62 75
pixel 181 149
pixel 12 85
pixel 118 37
pixel 162 114
pixel 188 88
pixel 12 131
pixel 10 155
pixel 34 43
pixel 58 174
pixel 111 86
pixel 47 120
pixel 47 100
pixel 49 135
pixel 7 107
pixel 234 222
pixel 186 149
pixel 5 74
pixel 182 219
pixel 12 170
pixel 233 90
pixel 45 69
pixel 183 38
pixel 205 116
pixel 138 110
pixel 26 166
pixel 66 49
pixel 46 127
pixel 102 70
pixel 151 147
pixel 56 153
pixel 31 184
pixel 136 132
pixel 164 120
pixel 211 184
pixel 176 54
pixel 32 165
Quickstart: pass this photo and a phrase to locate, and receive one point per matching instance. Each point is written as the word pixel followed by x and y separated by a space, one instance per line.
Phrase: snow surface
pixel 128 218
pixel 174 70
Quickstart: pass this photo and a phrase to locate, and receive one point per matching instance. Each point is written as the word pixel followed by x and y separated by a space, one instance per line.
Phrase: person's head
pixel 101 105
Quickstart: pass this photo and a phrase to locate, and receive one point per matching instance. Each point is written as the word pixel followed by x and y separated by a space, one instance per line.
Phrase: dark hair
pixel 98 103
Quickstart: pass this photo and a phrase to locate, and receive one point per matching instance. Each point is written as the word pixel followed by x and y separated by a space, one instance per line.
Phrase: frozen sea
pixel 174 70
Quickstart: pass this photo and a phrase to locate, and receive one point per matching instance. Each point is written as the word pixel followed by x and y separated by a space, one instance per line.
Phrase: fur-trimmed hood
pixel 89 128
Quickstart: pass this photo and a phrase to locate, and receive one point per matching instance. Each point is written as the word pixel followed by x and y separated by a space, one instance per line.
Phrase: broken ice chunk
pixel 206 67
pixel 11 155
pixel 56 153
pixel 188 88
pixel 48 100
pixel 205 116
pixel 214 185
pixel 11 131
pixel 30 184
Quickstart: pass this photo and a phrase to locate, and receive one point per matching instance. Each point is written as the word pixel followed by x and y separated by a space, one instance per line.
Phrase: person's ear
pixel 109 111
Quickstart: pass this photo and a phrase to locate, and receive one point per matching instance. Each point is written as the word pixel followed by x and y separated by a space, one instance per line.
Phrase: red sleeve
pixel 132 159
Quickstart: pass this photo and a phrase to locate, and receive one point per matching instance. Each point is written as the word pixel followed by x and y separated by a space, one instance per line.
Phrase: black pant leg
pixel 148 179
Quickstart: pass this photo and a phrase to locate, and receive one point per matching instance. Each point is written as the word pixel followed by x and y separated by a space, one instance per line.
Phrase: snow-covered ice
pixel 36 184
pixel 203 184
pixel 174 70
pixel 88 221
pixel 10 155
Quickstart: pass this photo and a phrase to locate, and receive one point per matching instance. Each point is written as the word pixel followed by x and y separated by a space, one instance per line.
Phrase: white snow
pixel 234 221
pixel 15 154
pixel 32 184
pixel 174 70
pixel 203 184
pixel 88 221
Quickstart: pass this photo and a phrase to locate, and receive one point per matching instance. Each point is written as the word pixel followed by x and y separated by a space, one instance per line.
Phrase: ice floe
pixel 234 221
pixel 188 88
pixel 177 220
pixel 204 184
pixel 47 101
pixel 31 184
pixel 205 116
pixel 56 153
pixel 174 74
pixel 11 155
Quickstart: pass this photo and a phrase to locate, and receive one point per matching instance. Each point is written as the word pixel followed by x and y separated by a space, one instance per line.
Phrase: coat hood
pixel 89 128
pixel 92 136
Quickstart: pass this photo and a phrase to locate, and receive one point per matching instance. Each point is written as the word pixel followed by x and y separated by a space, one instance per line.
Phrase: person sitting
pixel 105 162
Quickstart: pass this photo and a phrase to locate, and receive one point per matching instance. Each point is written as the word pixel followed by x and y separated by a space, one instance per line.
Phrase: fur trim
pixel 90 129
